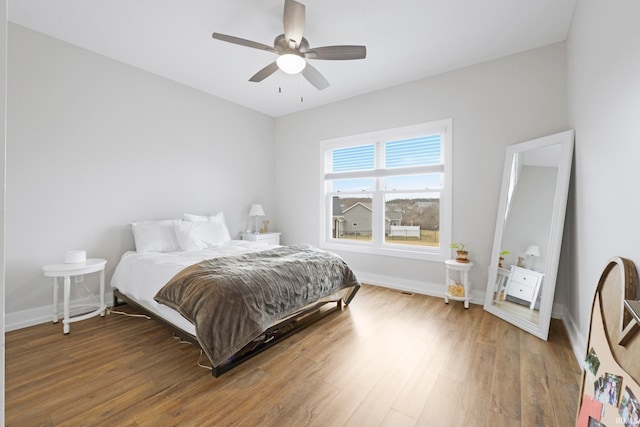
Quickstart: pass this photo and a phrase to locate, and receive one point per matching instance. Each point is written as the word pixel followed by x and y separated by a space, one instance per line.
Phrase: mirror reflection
pixel 527 240
pixel 527 224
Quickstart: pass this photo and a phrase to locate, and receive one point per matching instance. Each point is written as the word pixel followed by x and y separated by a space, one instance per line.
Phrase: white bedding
pixel 140 276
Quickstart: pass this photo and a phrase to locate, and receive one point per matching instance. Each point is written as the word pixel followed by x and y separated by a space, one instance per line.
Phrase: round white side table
pixel 91 265
pixel 457 275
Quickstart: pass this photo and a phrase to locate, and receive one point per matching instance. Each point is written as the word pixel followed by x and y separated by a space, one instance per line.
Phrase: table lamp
pixel 256 211
pixel 532 251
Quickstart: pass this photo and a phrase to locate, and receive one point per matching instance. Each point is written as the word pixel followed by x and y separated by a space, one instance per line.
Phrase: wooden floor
pixel 387 360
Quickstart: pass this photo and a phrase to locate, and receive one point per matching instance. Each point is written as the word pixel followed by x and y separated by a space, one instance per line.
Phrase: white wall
pixel 3 100
pixel 94 144
pixel 604 102
pixel 492 105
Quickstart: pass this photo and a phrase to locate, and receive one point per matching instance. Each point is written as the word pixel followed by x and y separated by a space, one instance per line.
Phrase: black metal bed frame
pixel 267 339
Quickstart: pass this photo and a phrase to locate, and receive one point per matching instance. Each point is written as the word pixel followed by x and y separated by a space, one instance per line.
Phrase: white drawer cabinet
pixel 525 285
pixel 267 238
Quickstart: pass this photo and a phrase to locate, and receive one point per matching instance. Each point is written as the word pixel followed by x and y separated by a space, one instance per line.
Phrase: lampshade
pixel 532 250
pixel 256 210
pixel 291 63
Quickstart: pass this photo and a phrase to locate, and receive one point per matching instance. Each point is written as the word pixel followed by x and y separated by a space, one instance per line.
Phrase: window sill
pixel 387 251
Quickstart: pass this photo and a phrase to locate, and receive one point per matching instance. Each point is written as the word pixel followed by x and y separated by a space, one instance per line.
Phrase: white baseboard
pixel 414 286
pixel 557 311
pixel 39 315
pixel 577 341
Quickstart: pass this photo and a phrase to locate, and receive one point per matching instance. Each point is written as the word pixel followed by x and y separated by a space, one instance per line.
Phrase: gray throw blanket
pixel 232 300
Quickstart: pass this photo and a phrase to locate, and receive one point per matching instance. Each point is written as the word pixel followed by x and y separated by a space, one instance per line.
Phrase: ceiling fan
pixel 293 50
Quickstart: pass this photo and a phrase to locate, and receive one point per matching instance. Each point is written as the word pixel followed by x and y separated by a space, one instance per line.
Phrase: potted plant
pixel 501 258
pixel 462 255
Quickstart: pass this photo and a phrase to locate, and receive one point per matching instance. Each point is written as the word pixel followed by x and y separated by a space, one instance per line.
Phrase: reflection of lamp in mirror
pixel 255 211
pixel 532 251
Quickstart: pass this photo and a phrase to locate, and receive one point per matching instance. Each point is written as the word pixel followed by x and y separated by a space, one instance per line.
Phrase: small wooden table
pixel 457 275
pixel 91 265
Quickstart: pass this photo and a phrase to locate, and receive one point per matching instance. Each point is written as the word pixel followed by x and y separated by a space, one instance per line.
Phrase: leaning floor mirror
pixel 528 236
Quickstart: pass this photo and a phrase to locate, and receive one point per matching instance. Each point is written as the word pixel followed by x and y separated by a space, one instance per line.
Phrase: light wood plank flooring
pixel 387 360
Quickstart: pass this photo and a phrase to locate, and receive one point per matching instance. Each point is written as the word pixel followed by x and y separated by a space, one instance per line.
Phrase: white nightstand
pixel 525 285
pixel 91 265
pixel 267 238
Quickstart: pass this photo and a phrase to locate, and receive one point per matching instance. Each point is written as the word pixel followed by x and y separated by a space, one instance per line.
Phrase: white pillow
pixel 198 235
pixel 155 236
pixel 193 217
pixel 218 218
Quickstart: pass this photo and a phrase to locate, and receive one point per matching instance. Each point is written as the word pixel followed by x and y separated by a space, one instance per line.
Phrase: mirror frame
pixel 541 329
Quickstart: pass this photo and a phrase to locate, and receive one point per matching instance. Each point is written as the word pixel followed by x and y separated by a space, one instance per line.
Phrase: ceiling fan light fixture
pixel 291 63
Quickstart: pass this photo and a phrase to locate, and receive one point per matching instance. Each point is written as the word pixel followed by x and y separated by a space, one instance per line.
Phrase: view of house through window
pixel 409 219
pixel 382 191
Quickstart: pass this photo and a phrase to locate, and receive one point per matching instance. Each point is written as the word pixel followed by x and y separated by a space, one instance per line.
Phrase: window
pixel 389 192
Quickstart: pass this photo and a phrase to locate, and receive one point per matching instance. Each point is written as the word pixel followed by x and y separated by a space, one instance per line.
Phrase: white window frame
pixel 377 246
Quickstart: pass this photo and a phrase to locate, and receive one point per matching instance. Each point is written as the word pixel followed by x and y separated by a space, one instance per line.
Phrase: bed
pixel 232 298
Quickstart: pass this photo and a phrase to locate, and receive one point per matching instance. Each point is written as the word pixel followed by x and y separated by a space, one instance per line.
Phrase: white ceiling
pixel 406 40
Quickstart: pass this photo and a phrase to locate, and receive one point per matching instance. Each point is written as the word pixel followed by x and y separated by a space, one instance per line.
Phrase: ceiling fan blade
pixel 314 77
pixel 337 52
pixel 243 42
pixel 264 73
pixel 293 22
